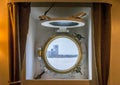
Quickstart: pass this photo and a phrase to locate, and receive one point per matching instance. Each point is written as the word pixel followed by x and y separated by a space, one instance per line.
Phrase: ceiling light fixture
pixel 63 23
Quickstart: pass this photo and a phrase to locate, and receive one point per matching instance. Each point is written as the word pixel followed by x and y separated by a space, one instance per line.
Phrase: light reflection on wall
pixel 4 71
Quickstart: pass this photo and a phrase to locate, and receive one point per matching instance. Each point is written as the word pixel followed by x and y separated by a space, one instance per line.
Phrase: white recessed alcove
pixel 38 35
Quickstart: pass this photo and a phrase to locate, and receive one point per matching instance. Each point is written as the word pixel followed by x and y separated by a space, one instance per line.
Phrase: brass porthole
pixel 62 53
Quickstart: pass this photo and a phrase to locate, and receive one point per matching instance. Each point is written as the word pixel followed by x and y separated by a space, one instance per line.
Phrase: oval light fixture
pixel 67 22
pixel 63 23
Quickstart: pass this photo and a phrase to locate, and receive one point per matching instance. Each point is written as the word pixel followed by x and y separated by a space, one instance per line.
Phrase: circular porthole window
pixel 62 53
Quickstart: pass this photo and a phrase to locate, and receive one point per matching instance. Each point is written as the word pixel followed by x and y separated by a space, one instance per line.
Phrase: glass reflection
pixel 64 23
pixel 62 53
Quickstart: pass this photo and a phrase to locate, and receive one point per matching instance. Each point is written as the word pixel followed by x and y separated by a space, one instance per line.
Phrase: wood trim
pixel 57 82
pixel 86 1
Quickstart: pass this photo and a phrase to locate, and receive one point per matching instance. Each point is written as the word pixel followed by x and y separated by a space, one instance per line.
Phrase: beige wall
pixel 115 41
pixel 115 47
pixel 3 44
